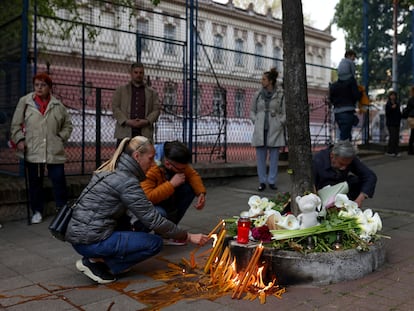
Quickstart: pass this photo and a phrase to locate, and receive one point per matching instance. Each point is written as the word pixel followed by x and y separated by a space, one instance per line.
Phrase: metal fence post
pixel 25 44
pixel 98 143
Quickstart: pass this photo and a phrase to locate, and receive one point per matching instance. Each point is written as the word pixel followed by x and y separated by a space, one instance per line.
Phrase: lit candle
pixel 246 275
pixel 215 251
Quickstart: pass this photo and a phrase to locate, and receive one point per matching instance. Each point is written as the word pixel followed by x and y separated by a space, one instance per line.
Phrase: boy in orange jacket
pixel 173 184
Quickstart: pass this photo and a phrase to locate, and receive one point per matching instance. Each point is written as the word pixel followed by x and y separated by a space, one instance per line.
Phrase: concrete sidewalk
pixel 38 272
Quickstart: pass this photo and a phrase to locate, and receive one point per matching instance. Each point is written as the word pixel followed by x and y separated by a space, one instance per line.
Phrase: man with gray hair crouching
pixel 339 163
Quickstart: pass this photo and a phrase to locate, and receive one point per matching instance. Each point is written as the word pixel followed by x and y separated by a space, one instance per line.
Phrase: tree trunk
pixel 296 98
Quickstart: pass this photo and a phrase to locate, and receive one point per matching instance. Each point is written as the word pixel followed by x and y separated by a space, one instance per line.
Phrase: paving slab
pixel 38 272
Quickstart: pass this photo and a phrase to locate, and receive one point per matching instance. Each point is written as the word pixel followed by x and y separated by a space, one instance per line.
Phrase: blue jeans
pixel 261 156
pixel 35 175
pixel 123 249
pixel 175 206
pixel 345 121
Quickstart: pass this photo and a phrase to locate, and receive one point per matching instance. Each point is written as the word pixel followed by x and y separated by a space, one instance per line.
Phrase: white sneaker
pixel 174 242
pixel 37 218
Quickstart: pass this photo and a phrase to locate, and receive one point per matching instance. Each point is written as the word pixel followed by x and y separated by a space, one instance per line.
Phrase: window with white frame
pixel 197 44
pixel 319 70
pixel 218 52
pixel 239 101
pixel 169 34
pixel 277 58
pixel 258 59
pixel 170 98
pixel 238 56
pixel 309 69
pixel 107 36
pixel 142 31
pixel 217 102
pixel 197 95
pixel 86 14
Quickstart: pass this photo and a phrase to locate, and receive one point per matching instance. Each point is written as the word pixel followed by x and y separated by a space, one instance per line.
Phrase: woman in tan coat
pixel 40 127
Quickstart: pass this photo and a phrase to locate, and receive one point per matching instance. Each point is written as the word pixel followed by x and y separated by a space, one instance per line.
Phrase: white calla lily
pixel 255 211
pixel 254 201
pixel 361 219
pixel 270 205
pixel 263 205
pixel 340 200
pixel 289 222
pixel 352 207
pixel 269 212
pixel 377 220
pixel 374 220
pixel 368 213
pixel 344 214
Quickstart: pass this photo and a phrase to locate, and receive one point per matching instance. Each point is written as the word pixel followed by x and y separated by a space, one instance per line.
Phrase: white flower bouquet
pixel 344 226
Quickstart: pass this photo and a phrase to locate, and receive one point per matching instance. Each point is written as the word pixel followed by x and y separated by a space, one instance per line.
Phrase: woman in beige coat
pixel 40 127
pixel 267 112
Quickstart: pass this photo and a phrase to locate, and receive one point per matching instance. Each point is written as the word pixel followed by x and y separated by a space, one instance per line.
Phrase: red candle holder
pixel 243 230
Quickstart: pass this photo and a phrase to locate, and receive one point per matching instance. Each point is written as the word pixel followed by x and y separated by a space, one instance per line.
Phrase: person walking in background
pixel 39 128
pixel 135 107
pixel 344 95
pixel 114 190
pixel 346 67
pixel 409 112
pixel 393 121
pixel 268 115
pixel 173 184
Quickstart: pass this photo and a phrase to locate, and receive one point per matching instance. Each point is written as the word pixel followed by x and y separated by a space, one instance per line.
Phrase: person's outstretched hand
pixel 197 238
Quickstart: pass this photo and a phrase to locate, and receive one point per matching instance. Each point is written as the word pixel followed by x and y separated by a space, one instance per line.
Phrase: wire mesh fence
pixel 205 102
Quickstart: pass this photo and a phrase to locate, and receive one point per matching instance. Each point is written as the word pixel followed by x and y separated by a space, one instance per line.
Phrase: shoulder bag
pixel 59 223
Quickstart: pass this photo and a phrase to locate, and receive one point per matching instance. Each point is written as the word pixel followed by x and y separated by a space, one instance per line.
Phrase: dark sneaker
pixel 272 186
pixel 96 271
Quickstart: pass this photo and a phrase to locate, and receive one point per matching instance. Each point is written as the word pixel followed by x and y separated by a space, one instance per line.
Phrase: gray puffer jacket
pixel 95 216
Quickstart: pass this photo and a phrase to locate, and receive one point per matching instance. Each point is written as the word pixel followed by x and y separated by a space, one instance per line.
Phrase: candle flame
pixel 223 273
pixel 214 237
